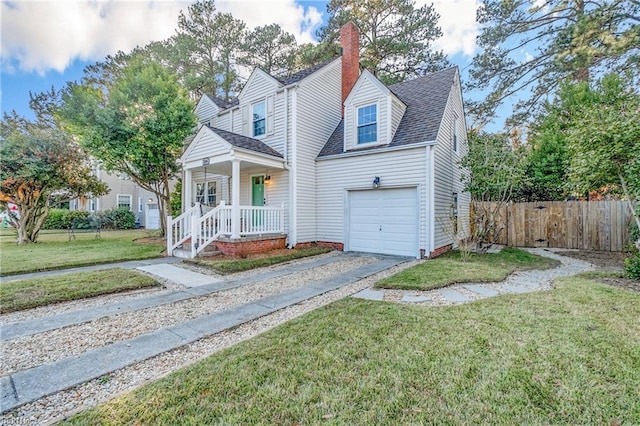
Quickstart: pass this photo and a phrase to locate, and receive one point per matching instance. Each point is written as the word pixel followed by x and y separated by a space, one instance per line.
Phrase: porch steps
pixel 184 252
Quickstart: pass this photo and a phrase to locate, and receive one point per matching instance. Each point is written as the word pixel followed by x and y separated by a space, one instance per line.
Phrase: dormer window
pixel 259 119
pixel 368 124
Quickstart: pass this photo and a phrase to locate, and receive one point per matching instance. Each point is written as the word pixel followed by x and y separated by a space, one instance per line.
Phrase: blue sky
pixel 48 43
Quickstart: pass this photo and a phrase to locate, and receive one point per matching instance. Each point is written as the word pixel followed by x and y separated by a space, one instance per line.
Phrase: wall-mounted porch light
pixel 376 182
pixel 267 177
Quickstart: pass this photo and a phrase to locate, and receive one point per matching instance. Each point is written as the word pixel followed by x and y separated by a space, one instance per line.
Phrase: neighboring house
pixel 125 193
pixel 327 156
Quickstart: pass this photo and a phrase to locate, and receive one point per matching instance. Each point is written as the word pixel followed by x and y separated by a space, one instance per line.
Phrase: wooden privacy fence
pixel 585 225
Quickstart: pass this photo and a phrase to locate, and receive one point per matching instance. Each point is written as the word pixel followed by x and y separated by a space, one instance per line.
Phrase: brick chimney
pixel 350 42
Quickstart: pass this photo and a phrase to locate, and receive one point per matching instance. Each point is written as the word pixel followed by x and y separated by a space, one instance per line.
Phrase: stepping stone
pixel 179 275
pixel 411 298
pixel 454 296
pixel 481 290
pixel 369 294
pixel 518 289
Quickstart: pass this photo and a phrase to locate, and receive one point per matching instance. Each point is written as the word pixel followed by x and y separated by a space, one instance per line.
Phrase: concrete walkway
pixel 131 264
pixel 516 283
pixel 30 385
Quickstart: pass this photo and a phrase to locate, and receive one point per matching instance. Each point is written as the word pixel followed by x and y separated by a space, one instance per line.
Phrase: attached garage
pixel 383 221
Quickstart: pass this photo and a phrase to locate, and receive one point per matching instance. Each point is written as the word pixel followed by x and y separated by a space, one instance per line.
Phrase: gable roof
pixel 245 142
pixel 426 99
pixel 221 103
pixel 301 75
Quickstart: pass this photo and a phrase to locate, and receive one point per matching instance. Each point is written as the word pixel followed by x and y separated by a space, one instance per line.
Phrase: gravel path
pixel 534 280
pixel 57 344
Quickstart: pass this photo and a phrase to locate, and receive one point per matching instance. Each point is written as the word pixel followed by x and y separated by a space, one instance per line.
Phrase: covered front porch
pixel 232 194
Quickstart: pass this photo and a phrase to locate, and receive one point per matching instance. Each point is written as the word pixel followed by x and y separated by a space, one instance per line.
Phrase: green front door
pixel 257 191
pixel 257 198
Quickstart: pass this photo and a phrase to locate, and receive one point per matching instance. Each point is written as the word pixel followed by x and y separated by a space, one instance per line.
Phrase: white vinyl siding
pixel 397 111
pixel 396 169
pixel 207 145
pixel 222 121
pixel 205 110
pixel 448 174
pixel 318 114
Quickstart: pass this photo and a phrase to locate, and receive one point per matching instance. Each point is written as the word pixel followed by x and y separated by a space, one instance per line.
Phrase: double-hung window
pixel 206 193
pixel 124 201
pixel 259 119
pixel 368 124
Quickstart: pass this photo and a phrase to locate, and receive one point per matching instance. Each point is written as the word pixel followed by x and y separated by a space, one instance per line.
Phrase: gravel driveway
pixel 30 351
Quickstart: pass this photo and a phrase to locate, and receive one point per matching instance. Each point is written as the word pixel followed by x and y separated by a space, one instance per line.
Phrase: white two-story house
pixel 328 156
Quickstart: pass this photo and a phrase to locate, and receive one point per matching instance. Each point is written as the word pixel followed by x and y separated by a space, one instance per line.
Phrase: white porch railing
pixel 210 226
pixel 205 229
pixel 179 229
pixel 261 220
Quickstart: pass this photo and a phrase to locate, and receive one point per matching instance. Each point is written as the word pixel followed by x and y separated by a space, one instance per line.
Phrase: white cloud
pixel 44 35
pixel 286 13
pixel 39 36
pixel 458 24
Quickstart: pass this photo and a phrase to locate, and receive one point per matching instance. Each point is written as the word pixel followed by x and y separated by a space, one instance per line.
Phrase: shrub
pixel 117 218
pixel 632 265
pixel 63 218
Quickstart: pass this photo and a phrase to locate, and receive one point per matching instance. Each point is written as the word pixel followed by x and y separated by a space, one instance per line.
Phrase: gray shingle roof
pixel 245 142
pixel 221 103
pixel 426 99
pixel 294 78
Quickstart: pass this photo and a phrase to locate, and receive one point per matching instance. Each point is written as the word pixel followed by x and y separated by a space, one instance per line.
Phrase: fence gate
pixel 587 225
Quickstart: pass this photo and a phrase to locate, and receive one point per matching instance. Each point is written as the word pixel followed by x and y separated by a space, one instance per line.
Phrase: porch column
pixel 235 197
pixel 187 190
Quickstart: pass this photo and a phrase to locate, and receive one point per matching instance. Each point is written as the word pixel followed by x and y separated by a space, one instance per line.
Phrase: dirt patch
pixel 607 261
pixel 627 283
pixel 600 259
pixel 151 240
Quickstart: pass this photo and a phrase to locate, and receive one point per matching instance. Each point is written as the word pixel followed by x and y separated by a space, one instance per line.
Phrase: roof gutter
pixel 357 153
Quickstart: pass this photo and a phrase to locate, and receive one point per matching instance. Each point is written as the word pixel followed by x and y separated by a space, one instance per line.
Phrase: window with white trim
pixel 139 204
pixel 206 193
pixel 368 124
pixel 92 204
pixel 259 121
pixel 124 201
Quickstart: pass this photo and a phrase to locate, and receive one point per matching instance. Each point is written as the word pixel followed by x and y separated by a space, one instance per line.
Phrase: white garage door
pixel 384 221
pixel 152 220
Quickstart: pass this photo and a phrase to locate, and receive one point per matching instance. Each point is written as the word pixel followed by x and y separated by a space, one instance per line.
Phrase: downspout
pixel 293 186
pixel 432 203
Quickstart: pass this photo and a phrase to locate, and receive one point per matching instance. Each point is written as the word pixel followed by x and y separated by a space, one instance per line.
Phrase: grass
pixel 55 251
pixel 228 266
pixel 567 356
pixel 450 269
pixel 31 293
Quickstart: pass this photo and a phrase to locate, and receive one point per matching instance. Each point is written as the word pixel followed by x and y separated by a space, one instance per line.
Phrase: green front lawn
pixel 55 251
pixel 450 269
pixel 228 266
pixel 567 356
pixel 31 293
